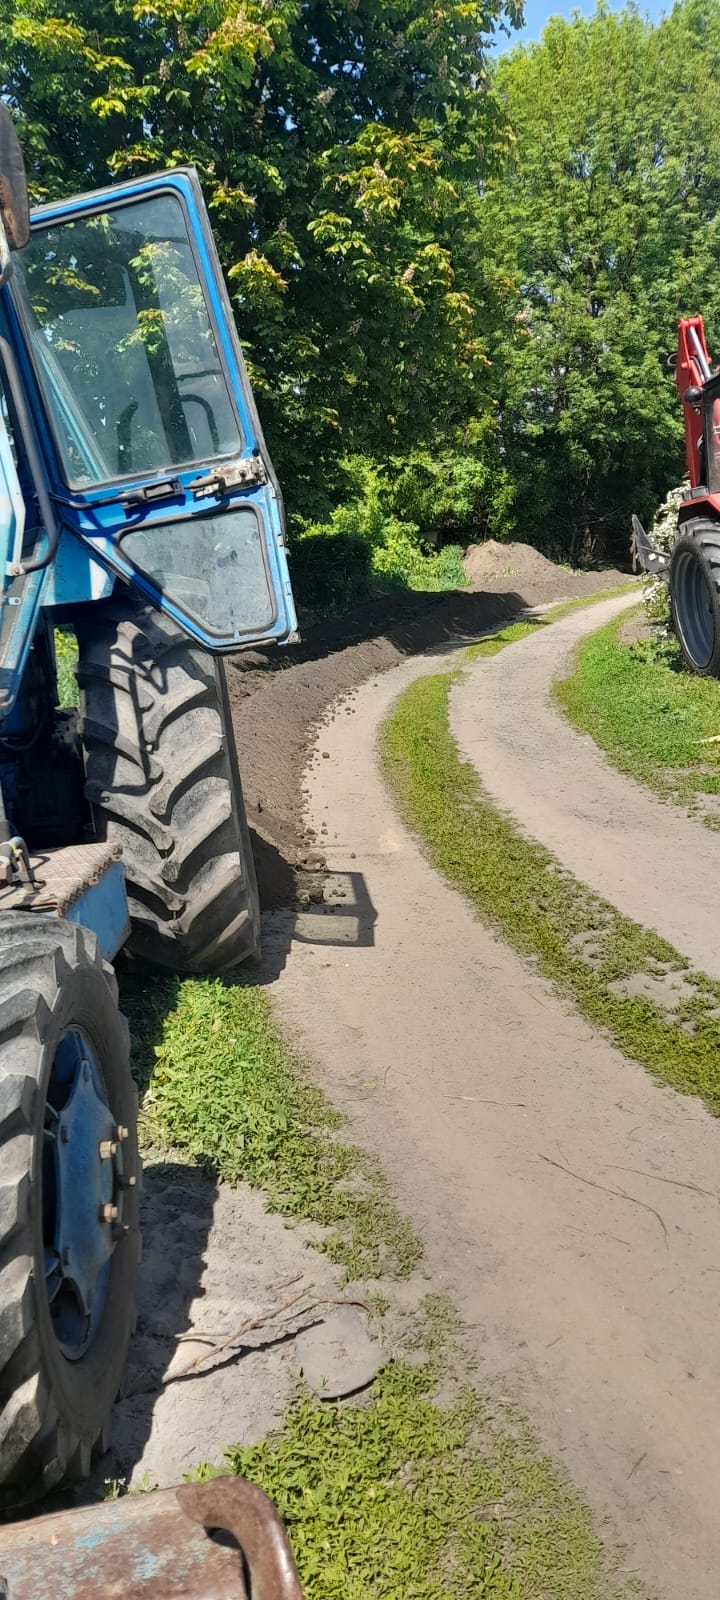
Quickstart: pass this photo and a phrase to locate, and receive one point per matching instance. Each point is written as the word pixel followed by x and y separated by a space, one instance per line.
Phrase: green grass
pixel 493 642
pixel 579 940
pixel 651 718
pixel 66 655
pixel 566 607
pixel 221 1086
pixel 405 1498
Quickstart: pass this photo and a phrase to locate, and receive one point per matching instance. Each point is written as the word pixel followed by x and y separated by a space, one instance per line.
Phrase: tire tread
pixel 152 704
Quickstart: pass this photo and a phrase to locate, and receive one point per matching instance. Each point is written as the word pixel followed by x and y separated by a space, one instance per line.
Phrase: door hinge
pixel 246 474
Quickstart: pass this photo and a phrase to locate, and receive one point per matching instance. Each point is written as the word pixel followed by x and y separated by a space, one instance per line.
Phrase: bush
pixel 330 571
pixel 405 559
pixel 662 532
pixel 453 496
pixel 366 547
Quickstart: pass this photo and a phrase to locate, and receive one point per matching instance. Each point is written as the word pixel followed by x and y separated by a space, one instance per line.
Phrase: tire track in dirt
pixel 652 861
pixel 504 1121
pixel 278 697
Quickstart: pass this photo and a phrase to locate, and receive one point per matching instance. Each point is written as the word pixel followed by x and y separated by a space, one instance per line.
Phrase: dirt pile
pixel 279 697
pixel 491 563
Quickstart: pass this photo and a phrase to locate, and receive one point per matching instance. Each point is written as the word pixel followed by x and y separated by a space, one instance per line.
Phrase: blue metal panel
pixel 20 594
pixel 79 1187
pixel 24 618
pixel 75 575
pixel 104 910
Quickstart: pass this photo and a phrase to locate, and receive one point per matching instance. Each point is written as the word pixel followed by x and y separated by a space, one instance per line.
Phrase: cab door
pixel 153 445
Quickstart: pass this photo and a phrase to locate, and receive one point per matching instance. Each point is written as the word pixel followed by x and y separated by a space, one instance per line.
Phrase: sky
pixel 538 12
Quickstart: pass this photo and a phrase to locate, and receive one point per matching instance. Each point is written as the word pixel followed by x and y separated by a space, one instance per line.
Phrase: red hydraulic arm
pixel 692 369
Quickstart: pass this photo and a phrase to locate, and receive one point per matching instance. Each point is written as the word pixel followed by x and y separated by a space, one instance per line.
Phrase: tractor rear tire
pixel 695 595
pixel 162 780
pixel 64 1053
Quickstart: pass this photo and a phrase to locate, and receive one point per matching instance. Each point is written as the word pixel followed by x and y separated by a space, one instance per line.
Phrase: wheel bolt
pixel 127 1183
pixel 122 1132
pixel 106 1149
pixel 108 1213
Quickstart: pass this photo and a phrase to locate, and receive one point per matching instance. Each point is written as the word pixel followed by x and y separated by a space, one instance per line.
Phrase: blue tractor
pixel 138 508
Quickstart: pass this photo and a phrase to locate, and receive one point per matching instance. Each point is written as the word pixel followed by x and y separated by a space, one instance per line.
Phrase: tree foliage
pixel 465 277
pixel 337 143
pixel 604 228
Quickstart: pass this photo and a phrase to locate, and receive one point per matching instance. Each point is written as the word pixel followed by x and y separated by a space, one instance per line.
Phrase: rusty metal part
pixel 244 1511
pixel 60 878
pixel 221 1540
pixel 17 865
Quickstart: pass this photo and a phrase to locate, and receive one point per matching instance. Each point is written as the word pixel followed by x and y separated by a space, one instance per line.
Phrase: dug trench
pixel 279 697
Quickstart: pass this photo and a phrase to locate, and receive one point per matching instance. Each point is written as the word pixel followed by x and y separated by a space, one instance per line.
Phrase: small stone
pixel 326 755
pixel 338 1357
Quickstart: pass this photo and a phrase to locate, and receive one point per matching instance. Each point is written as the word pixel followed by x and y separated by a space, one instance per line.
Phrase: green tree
pixel 334 139
pixel 603 229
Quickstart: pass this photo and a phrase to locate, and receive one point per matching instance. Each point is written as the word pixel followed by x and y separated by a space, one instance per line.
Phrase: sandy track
pixel 651 860
pixel 461 1068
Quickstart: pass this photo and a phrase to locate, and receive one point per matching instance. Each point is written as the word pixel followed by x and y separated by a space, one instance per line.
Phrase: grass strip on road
pixel 222 1087
pixel 655 722
pixel 595 955
pixel 493 642
pixel 403 1496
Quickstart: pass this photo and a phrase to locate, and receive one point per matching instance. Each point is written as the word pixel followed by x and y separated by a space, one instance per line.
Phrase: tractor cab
pixel 120 341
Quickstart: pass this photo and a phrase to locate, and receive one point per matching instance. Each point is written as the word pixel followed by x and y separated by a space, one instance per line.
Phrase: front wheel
pixel 695 594
pixel 163 783
pixel 69 1231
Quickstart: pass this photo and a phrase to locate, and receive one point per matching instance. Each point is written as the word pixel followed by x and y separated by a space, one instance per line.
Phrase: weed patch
pixel 221 1086
pixel 655 722
pixel 403 1496
pixel 66 656
pixel 580 941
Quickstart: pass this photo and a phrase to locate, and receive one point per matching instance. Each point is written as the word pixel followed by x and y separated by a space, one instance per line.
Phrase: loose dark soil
pixel 279 697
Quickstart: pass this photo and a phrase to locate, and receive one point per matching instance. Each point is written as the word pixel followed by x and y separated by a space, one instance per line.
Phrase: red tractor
pixel 692 569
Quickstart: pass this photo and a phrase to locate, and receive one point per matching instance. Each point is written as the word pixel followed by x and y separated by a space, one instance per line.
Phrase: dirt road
pixel 278 696
pixel 504 1120
pixel 653 862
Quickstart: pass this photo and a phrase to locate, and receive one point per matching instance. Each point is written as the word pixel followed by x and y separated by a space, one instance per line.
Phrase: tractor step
pixel 220 1540
pixel 83 883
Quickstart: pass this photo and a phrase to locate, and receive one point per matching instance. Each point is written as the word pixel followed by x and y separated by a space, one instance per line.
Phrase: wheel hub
pixel 82 1202
pixel 693 603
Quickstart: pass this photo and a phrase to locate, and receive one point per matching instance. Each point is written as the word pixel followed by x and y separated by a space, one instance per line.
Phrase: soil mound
pixel 489 563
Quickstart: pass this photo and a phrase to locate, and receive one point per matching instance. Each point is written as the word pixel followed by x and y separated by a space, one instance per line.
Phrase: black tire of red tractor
pixel 54 1412
pixel 695 595
pixel 163 783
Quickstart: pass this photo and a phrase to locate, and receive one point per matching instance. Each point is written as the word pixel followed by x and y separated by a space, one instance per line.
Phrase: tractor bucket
pixel 220 1540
